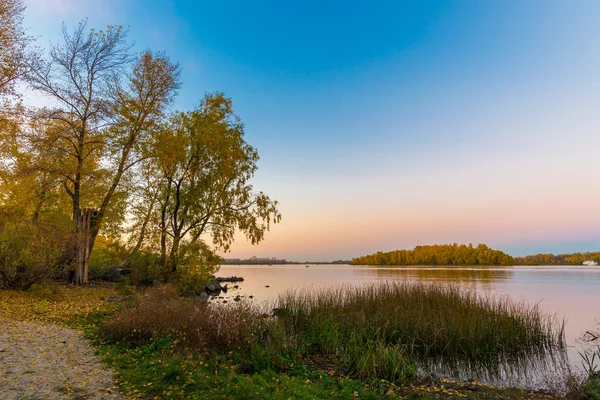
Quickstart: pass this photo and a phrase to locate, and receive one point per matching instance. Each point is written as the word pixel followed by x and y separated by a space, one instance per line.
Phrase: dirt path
pixel 42 361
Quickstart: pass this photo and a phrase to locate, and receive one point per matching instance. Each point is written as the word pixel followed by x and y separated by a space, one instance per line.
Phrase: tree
pixel 201 185
pixel 13 44
pixel 34 229
pixel 102 123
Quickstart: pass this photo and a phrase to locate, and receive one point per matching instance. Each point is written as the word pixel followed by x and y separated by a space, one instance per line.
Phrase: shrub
pixel 46 292
pixel 105 259
pixel 196 268
pixel 30 252
pixel 144 268
pixel 192 324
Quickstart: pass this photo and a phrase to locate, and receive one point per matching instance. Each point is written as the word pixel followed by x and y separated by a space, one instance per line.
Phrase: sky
pixel 383 125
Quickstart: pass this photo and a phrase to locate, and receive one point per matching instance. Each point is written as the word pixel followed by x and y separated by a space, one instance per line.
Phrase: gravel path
pixel 42 361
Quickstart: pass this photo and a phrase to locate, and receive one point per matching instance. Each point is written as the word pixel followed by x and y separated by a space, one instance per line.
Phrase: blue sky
pixel 387 124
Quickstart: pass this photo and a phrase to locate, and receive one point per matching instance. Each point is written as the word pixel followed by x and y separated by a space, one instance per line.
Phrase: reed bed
pixel 388 330
pixel 392 331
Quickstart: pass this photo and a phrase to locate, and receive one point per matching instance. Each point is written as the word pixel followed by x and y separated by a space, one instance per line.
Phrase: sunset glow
pixel 383 128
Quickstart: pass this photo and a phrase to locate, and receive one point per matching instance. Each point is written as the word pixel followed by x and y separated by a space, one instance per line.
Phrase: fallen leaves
pixel 72 302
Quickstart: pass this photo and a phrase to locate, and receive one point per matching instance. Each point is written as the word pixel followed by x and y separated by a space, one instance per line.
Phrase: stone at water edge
pixel 203 297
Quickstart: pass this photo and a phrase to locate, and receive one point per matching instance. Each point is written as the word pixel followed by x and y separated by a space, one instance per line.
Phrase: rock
pixel 236 286
pixel 213 287
pixel 224 288
pixel 203 297
pixel 229 279
pixel 209 287
pixel 237 298
pixel 113 299
pixel 251 296
pixel 267 286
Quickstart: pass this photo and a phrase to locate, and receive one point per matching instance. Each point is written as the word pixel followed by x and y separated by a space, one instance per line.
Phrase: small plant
pixel 45 292
pixel 588 361
pixel 41 307
pixel 590 389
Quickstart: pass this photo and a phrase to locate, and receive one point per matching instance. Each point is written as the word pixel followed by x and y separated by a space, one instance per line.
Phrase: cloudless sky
pixel 382 125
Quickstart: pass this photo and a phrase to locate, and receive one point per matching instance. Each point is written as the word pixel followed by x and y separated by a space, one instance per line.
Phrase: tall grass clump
pixel 590 387
pixel 387 330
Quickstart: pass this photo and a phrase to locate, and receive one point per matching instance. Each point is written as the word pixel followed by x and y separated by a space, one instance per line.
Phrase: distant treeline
pixel 455 254
pixel 558 259
pixel 445 254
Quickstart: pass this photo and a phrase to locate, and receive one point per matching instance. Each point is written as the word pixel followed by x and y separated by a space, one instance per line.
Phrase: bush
pixel 195 269
pixel 46 292
pixel 144 269
pixel 30 253
pixel 191 324
pixel 104 261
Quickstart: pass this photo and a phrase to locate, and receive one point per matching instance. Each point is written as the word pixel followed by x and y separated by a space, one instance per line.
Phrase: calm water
pixel 572 293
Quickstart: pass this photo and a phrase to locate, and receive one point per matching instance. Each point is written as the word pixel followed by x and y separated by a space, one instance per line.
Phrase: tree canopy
pixel 13 45
pixel 168 186
pixel 446 254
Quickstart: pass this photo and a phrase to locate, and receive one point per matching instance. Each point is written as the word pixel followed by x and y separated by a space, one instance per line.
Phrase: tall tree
pixel 13 43
pixel 108 105
pixel 202 172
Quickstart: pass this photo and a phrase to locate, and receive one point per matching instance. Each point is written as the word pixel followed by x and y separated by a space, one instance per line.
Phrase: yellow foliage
pixel 62 309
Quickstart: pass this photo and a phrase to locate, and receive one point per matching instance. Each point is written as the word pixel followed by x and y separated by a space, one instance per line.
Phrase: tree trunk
pixel 84 242
pixel 174 256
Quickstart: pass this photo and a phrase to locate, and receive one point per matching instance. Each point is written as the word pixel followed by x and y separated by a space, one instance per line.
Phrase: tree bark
pixel 84 233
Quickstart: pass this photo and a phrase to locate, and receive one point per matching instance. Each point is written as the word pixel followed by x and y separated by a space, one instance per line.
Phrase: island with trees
pixel 455 254
pixel 446 254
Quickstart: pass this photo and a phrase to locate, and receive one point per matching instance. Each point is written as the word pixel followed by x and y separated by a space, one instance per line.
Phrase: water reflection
pixel 468 276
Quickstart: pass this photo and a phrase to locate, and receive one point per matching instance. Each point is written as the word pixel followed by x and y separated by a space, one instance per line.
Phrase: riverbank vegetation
pixel 326 344
pixel 455 254
pixel 390 333
pixel 558 259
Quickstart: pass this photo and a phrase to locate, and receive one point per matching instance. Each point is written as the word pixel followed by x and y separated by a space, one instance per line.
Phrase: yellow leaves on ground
pixel 67 303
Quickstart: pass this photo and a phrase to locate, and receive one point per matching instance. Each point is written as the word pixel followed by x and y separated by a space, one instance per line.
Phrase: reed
pixel 390 331
pixel 376 327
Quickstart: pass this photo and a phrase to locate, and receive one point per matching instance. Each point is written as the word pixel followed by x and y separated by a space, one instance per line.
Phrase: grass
pixel 164 347
pixel 389 329
pixel 590 387
pixel 159 312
